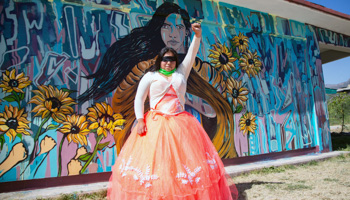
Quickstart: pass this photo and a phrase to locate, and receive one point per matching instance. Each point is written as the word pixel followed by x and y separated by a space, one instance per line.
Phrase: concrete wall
pixel 70 70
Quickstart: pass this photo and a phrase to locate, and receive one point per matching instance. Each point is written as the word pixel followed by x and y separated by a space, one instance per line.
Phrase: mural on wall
pixel 121 69
pixel 70 72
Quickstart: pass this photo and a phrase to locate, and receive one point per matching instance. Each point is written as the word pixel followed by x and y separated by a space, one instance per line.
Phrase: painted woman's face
pixel 173 32
pixel 168 65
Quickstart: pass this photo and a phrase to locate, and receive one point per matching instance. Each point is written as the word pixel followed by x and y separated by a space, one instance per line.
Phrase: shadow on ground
pixel 242 187
pixel 340 141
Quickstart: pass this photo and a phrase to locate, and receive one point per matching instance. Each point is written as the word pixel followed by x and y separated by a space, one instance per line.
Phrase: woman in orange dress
pixel 168 155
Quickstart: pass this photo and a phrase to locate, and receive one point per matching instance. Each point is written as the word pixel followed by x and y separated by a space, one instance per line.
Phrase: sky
pixel 337 71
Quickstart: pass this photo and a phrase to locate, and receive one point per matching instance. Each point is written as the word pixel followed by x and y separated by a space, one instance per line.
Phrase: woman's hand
pixel 197 29
pixel 141 127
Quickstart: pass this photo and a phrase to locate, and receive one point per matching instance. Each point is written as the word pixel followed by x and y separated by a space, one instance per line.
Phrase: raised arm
pixel 186 65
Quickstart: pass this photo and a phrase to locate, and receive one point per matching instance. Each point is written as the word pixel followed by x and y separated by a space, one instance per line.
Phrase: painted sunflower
pixel 12 82
pixel 247 123
pixel 13 122
pixel 222 57
pixel 76 129
pixel 52 101
pixel 102 117
pixel 236 91
pixel 250 63
pixel 241 42
pixel 119 122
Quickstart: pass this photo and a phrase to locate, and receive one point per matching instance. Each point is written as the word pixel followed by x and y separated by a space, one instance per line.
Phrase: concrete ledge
pixel 231 170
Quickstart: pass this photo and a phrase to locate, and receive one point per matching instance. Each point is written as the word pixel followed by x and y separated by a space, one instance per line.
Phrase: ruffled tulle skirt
pixel 174 160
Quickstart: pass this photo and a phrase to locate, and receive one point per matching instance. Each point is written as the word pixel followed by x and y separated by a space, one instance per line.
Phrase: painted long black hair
pixel 141 44
pixel 144 44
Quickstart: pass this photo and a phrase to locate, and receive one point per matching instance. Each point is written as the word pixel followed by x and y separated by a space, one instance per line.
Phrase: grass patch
pixel 90 196
pixel 331 179
pixel 292 187
pixel 311 163
pixel 347 184
pixel 271 187
pixel 340 158
pixel 273 169
pixel 97 195
pixel 62 197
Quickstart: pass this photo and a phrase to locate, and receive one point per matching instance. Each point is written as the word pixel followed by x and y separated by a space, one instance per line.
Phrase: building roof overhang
pixel 308 13
pixel 300 10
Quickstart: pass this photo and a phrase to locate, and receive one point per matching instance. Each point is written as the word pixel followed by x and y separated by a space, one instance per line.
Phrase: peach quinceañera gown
pixel 174 160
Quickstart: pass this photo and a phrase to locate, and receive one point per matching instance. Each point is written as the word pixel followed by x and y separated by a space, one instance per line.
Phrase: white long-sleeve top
pixel 156 86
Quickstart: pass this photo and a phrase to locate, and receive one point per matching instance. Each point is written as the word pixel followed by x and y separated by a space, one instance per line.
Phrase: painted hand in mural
pixel 80 151
pixel 74 167
pixel 196 27
pixel 16 155
pixel 47 144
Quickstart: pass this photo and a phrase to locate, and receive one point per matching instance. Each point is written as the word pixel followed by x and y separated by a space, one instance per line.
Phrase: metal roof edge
pixel 320 8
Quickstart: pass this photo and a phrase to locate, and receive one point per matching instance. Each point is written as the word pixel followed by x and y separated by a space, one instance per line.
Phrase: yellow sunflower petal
pixel 250 129
pixel 100 108
pixel 119 122
pixel 16 89
pixel 69 138
pixel 104 132
pixel 4 128
pixel 93 126
pixel 5 77
pixel 117 116
pixel 100 130
pixel 45 114
pixel 84 140
pixel 80 120
pixel 12 132
pixel 12 74
pixel 23 85
pixel 26 132
pixel 22 125
pixel 9 135
pixel 85 131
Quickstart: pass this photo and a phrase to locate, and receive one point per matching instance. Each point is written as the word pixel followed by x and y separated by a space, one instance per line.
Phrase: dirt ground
pixel 329 179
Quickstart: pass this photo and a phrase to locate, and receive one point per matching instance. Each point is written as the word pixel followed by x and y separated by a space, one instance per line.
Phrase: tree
pixel 339 107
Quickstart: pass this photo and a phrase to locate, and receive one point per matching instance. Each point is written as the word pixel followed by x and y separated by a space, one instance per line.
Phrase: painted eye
pixel 180 27
pixel 166 26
